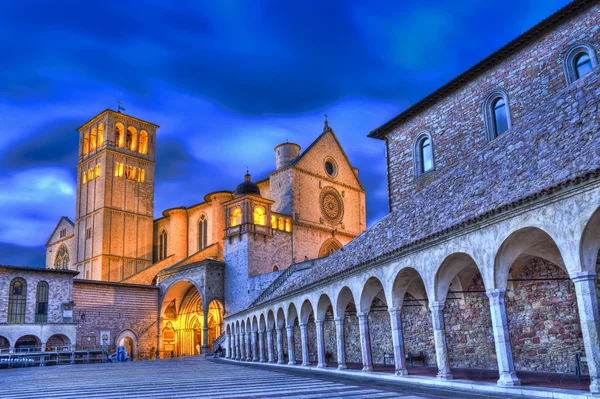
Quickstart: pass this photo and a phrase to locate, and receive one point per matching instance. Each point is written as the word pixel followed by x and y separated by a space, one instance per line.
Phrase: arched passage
pixel 308 333
pixel 325 317
pixel 347 330
pixel 28 343
pixel 183 320
pixel 129 340
pixel 214 321
pixel 4 344
pixel 281 337
pixel 293 334
pixel 374 323
pixel 58 342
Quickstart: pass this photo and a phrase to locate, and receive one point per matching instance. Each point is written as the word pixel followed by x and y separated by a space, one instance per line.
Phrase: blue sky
pixel 226 80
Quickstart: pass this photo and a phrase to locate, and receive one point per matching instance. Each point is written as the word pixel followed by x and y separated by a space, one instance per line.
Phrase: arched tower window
pixel 143 147
pixel 423 154
pixel 330 246
pixel 62 258
pixel 202 232
pixel 281 224
pixel 162 245
pixel 119 134
pixel 100 135
pixel 86 144
pixel 131 138
pixel 275 268
pixel 496 114
pixel 260 215
pixel 288 225
pixel 41 302
pixel 273 221
pixel 17 300
pixel 579 61
pixel 93 138
pixel 235 218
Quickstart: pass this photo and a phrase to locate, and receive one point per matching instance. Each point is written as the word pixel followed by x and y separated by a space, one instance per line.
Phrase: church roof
pixel 63 218
pixel 247 187
pixel 481 67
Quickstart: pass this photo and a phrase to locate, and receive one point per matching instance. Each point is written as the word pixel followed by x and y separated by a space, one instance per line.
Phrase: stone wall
pixel 116 308
pixel 417 328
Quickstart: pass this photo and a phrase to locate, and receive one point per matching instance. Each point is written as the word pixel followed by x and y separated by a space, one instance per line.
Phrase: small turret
pixel 286 154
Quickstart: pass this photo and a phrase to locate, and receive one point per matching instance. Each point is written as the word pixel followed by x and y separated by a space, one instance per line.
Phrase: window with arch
pixel 275 268
pixel 260 215
pixel 281 224
pixel 579 61
pixel 119 134
pixel 86 144
pixel 202 232
pixel 288 225
pixel 17 300
pixel 93 138
pixel 235 218
pixel 162 245
pixel 143 147
pixel 496 113
pixel 41 302
pixel 62 258
pixel 423 154
pixel 131 138
pixel 100 135
pixel 273 221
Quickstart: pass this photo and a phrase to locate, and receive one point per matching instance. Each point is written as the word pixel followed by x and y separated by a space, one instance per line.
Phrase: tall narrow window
pixel 288 225
pixel 93 138
pixel 131 138
pixel 423 154
pixel 260 215
pixel 17 300
pixel 62 259
pixel 41 302
pixel 86 144
pixel 273 222
pixel 143 142
pixel 583 64
pixel 281 224
pixel 119 134
pixel 579 61
pixel 100 135
pixel 202 233
pixel 235 218
pixel 426 156
pixel 162 245
pixel 496 114
pixel 97 170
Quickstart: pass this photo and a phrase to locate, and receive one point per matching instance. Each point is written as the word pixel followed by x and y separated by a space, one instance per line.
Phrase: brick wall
pixel 116 307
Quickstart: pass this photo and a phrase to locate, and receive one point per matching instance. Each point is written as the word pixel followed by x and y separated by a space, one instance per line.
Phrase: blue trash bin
pixel 120 354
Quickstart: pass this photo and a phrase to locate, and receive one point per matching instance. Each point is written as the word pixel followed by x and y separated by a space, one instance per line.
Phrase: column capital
pixel 362 315
pixel 319 322
pixel 584 276
pixel 496 296
pixel 303 325
pixel 395 310
pixel 339 319
pixel 261 332
pixel 437 305
pixel 269 330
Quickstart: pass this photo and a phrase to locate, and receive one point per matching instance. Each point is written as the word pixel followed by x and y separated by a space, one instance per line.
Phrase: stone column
pixel 239 346
pixel 398 341
pixel 439 333
pixel 506 365
pixel 587 303
pixel 280 359
pixel 270 352
pixel 228 346
pixel 43 347
pixel 365 341
pixel 320 344
pixel 291 350
pixel 255 346
pixel 339 335
pixel 304 342
pixel 206 346
pixel 234 351
pixel 261 346
pixel 248 347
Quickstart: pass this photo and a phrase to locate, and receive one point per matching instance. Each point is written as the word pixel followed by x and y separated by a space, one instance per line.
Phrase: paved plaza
pixel 198 378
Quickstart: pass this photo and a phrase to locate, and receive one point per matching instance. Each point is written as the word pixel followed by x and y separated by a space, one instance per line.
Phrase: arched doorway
pixel 28 343
pixel 4 344
pixel 58 342
pixel 129 340
pixel 214 321
pixel 330 246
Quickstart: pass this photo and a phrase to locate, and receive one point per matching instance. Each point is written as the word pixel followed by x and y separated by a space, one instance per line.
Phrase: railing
pixel 219 340
pixel 275 284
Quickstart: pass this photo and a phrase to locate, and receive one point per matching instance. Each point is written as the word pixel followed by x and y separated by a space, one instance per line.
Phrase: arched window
pixel 17 300
pixel 330 246
pixel 260 215
pixel 93 138
pixel 236 217
pixel 143 147
pixel 62 258
pixel 131 138
pixel 579 61
pixel 202 233
pixel 288 225
pixel 162 245
pixel 41 302
pixel 496 114
pixel 423 154
pixel 119 134
pixel 275 268
pixel 281 224
pixel 86 144
pixel 100 135
pixel 273 222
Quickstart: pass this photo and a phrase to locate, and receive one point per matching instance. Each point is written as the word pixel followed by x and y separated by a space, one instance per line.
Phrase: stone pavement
pixel 198 378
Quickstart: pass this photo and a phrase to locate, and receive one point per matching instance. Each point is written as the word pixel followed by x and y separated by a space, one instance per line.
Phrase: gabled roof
pixel 66 219
pixel 492 60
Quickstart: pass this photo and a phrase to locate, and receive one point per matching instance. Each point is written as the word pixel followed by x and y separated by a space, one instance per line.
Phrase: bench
pixel 579 361
pixel 409 356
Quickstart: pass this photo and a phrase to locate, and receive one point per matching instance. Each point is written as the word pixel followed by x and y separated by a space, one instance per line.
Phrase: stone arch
pixel 281 319
pixel 590 243
pixel 374 305
pixel 58 342
pixel 254 324
pixel 344 297
pixel 5 344
pixel 323 304
pixel 270 319
pixel 457 270
pixel 28 343
pixel 292 314
pixel 408 281
pixel 214 321
pixel 330 246
pixel 129 339
pixel 305 311
pixel 325 314
pixel 372 288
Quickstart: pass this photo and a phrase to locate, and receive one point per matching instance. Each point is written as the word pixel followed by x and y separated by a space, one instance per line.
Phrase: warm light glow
pixel 93 138
pixel 131 138
pixel 130 172
pixel 84 180
pixel 119 134
pixel 86 144
pixel 141 175
pixel 100 135
pixel 273 222
pixel 281 224
pixel 143 142
pixel 236 217
pixel 98 170
pixel 288 225
pixel 260 215
pixel 119 169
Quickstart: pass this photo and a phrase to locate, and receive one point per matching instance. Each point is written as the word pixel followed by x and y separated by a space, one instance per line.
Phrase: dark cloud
pixel 15 255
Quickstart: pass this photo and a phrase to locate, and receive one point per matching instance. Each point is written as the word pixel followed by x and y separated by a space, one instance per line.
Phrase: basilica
pixel 482 276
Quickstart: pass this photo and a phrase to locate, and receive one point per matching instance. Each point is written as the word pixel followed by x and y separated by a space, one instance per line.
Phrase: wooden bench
pixel 409 356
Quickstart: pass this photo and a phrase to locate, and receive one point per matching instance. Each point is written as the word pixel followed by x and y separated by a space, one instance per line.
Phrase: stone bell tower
pixel 115 196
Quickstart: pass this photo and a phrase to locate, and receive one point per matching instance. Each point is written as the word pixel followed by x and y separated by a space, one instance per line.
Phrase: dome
pixel 246 188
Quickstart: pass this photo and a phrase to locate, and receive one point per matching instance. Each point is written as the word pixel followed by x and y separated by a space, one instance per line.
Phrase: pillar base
pixel 445 376
pixel 342 366
pixel 401 372
pixel 271 362
pixel 321 365
pixel 595 386
pixel 292 362
pixel 281 361
pixel 508 379
pixel 205 349
pixel 305 364
pixel 367 369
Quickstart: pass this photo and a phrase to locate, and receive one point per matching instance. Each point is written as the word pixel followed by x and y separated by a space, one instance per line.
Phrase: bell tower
pixel 115 196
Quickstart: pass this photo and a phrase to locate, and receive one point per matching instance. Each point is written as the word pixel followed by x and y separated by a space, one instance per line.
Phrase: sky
pixel 227 81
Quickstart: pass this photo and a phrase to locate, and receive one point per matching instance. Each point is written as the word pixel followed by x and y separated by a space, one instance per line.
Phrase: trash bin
pixel 120 354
